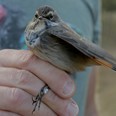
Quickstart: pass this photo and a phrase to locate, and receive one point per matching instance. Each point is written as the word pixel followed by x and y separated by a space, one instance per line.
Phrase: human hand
pixel 22 75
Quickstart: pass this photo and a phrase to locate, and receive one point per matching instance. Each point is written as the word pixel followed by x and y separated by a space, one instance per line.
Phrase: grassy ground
pixel 106 81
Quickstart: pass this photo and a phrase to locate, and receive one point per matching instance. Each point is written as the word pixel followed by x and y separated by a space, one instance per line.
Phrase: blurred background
pixel 106 81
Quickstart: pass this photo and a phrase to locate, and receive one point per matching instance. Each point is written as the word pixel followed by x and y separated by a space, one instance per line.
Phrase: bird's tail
pixel 109 62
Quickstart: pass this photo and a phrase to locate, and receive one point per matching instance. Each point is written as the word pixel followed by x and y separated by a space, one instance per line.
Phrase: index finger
pixel 58 80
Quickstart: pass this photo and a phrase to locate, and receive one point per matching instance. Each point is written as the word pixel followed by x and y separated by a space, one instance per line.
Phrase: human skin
pixel 22 75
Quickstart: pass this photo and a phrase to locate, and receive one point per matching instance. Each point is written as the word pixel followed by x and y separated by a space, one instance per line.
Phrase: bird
pixel 52 40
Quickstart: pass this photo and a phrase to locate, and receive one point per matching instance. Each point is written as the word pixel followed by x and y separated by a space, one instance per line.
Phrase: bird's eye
pixel 50 16
pixel 36 15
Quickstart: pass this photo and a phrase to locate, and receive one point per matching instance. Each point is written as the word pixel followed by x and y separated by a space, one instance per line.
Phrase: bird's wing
pixel 100 56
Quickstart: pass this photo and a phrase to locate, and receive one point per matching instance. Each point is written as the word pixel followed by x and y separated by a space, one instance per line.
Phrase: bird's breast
pixel 33 33
pixel 40 27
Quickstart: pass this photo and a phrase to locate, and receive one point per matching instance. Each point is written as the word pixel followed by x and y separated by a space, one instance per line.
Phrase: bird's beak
pixel 40 17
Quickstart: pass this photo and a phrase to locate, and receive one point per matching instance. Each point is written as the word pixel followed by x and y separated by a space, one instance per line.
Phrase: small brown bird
pixel 52 40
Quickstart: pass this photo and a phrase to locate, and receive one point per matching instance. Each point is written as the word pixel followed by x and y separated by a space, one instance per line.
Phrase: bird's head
pixel 44 18
pixel 46 13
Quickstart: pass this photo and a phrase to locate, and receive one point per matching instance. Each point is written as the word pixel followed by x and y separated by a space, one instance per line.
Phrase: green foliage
pixel 109 5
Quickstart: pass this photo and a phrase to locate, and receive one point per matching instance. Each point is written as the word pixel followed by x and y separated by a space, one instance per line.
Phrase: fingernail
pixel 72 109
pixel 68 88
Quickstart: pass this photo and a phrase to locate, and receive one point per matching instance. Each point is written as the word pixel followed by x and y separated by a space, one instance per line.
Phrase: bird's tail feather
pixel 106 64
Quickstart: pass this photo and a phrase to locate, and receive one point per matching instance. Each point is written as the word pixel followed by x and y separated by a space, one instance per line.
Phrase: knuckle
pixel 52 97
pixel 63 109
pixel 26 58
pixel 8 51
pixel 22 77
pixel 4 50
pixel 15 97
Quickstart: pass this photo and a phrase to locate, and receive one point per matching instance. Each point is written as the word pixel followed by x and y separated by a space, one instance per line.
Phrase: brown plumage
pixel 52 40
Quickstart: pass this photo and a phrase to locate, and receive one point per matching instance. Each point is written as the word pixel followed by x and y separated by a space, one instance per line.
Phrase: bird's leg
pixel 38 99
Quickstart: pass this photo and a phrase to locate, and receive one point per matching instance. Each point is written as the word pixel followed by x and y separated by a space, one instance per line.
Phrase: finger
pixel 6 113
pixel 58 80
pixel 12 77
pixel 62 107
pixel 27 81
pixel 18 101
